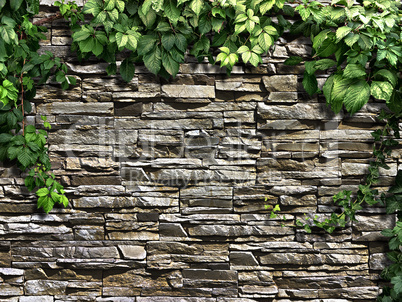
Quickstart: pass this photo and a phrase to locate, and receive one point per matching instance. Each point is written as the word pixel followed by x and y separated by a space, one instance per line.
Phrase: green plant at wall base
pixel 383 143
pixel 393 273
pixel 21 70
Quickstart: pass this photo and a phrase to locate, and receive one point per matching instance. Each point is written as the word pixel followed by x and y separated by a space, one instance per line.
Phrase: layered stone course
pixel 168 182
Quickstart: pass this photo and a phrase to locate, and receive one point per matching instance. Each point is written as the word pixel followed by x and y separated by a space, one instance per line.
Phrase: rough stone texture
pixel 168 182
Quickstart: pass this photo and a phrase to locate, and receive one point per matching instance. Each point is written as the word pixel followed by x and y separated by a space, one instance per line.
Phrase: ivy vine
pixel 358 43
pixel 21 70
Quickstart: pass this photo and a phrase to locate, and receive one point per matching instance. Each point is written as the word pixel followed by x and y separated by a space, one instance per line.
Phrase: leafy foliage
pixel 358 43
pixel 365 40
pixel 393 272
pixel 350 203
pixel 21 69
pixel 158 33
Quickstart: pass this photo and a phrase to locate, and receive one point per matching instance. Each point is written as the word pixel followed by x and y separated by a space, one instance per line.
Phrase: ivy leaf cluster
pixel 362 44
pixel 384 142
pixel 158 33
pixel 393 273
pixel 22 68
pixel 359 44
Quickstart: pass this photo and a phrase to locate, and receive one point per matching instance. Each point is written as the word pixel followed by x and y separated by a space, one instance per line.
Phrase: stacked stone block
pixel 168 182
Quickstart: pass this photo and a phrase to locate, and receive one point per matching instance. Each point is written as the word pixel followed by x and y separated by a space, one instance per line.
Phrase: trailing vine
pixel 358 44
pixel 21 70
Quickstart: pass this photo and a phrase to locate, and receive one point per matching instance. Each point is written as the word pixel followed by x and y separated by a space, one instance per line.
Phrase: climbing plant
pixel 21 70
pixel 358 43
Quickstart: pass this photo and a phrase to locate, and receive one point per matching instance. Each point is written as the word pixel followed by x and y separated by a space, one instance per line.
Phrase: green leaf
pixel 181 42
pixel 304 12
pixel 276 208
pixel 265 41
pixel 48 64
pixel 351 39
pixel 120 5
pixel 293 60
pixel 98 48
pixel 60 76
pixel 127 70
pixel 8 35
pixel 91 7
pixel 64 200
pixel 146 44
pixel 113 15
pixel 152 60
pixel 342 32
pixel 202 45
pixel 111 69
pixel 393 204
pixel 170 64
pixel 204 25
pixel 109 4
pixel 320 38
pixel 172 11
pixel 266 6
pixel 381 90
pixel 11 120
pixel 33 146
pixel 42 192
pixel 246 56
pixel 354 71
pixel 324 64
pixel 255 59
pixel 387 233
pixel 397 188
pixel 243 49
pixel 394 243
pixel 81 35
pixel 87 45
pixel 148 19
pixel 310 67
pixel 72 80
pixel 241 18
pixel 356 96
pixel 310 83
pixel 328 47
pixel 397 282
pixel 46 203
pixel 30 129
pixel 25 158
pixel 217 10
pixel 387 75
pixel 121 39
pixel 5 138
pixel 196 6
pixel 168 41
pixel 163 27
pixel 157 5
pixel 217 24
pixel 339 88
pixel 49 182
pixel 15 4
pixel 365 42
pixel 395 103
pixel 146 6
pixel 55 197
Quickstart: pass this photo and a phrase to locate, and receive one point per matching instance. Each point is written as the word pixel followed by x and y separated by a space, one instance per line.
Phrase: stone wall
pixel 168 182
